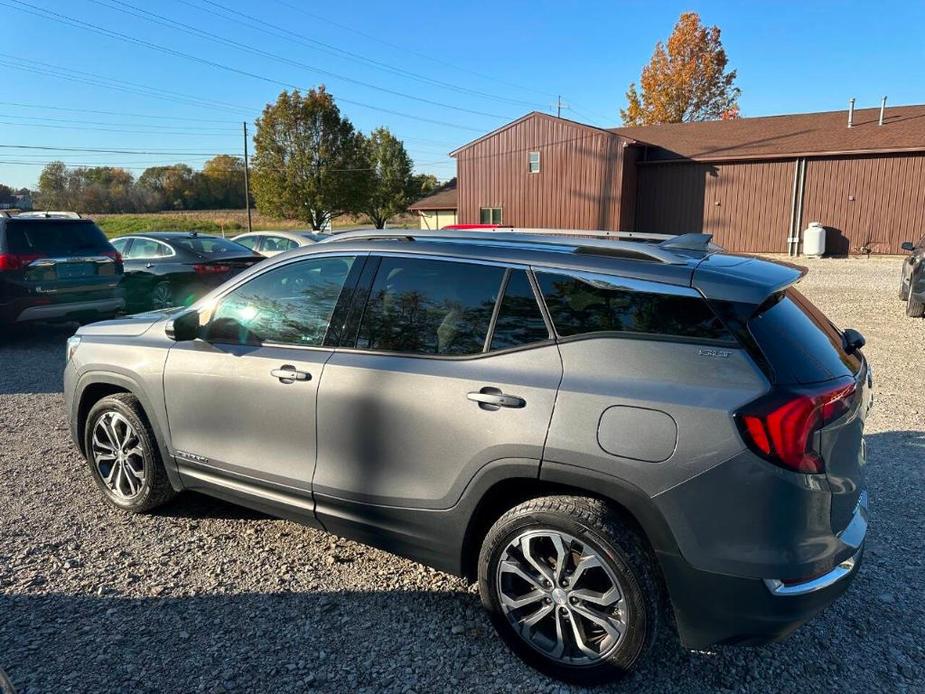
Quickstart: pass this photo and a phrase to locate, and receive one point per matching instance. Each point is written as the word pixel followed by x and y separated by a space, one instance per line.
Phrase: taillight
pixel 114 254
pixel 202 269
pixel 780 426
pixel 16 261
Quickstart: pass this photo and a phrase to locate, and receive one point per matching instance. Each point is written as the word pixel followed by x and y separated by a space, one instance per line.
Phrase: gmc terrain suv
pixel 56 266
pixel 608 436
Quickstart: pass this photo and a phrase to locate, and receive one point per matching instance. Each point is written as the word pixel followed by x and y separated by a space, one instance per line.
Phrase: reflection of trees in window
pixel 520 321
pixel 292 305
pixel 578 307
pixel 430 307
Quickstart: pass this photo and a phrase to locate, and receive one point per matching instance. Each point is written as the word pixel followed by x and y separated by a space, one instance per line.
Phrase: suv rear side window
pixel 437 307
pixel 799 342
pixel 55 238
pixel 581 305
pixel 520 321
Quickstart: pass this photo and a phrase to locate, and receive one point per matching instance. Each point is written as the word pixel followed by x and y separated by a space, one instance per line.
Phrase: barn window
pixel 490 215
pixel 534 162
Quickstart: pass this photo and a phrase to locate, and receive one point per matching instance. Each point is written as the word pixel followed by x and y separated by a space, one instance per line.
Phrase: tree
pixel 422 185
pixel 222 183
pixel 685 80
pixel 53 187
pixel 390 180
pixel 6 195
pixel 175 185
pixel 309 161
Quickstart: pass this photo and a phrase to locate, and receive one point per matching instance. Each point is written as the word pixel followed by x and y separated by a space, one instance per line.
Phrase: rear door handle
pixel 289 374
pixel 490 398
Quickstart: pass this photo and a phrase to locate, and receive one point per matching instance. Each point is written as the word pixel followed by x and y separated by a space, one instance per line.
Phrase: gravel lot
pixel 208 597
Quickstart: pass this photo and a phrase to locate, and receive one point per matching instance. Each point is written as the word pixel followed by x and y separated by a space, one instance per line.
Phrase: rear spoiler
pixel 743 279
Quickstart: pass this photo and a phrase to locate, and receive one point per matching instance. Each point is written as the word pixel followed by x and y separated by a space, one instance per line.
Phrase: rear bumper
pixel 65 309
pixel 714 609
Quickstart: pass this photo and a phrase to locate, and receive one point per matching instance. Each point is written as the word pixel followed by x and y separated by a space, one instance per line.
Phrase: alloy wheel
pixel 561 597
pixel 161 297
pixel 118 455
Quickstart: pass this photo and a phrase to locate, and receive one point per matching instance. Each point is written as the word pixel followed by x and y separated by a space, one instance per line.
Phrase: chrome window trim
pixel 172 253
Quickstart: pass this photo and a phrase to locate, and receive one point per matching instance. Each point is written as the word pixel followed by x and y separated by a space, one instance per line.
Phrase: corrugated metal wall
pixel 746 206
pixel 579 185
pixel 877 199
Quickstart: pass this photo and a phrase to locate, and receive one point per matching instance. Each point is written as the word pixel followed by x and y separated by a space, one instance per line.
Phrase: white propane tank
pixel 814 240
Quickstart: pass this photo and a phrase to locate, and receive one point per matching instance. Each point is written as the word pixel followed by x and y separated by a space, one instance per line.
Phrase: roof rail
pixel 49 214
pixel 588 242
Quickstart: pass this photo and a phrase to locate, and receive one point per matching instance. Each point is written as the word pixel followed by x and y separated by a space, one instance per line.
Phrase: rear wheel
pixel 914 307
pixel 569 589
pixel 123 455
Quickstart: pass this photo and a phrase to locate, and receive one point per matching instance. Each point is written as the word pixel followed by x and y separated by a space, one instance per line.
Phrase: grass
pixel 227 222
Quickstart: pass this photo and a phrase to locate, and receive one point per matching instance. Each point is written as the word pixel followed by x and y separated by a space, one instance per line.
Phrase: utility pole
pixel 558 107
pixel 247 187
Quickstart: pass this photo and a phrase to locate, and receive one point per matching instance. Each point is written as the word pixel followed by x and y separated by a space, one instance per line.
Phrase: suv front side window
pixel 435 307
pixel 290 305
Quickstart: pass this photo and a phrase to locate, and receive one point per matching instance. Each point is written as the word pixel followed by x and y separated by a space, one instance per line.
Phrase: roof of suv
pixel 685 260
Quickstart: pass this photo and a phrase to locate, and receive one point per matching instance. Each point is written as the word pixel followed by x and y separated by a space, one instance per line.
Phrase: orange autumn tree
pixel 686 80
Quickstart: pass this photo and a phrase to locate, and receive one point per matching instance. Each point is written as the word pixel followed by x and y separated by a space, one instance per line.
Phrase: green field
pixel 219 222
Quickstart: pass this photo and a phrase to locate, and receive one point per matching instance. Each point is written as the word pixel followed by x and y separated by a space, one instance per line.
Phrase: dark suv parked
pixel 912 282
pixel 606 435
pixel 56 266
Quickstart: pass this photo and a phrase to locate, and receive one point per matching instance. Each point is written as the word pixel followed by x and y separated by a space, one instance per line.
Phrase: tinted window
pixel 291 305
pixel 148 248
pixel 799 342
pixel 520 320
pixel 55 238
pixel 277 244
pixel 586 305
pixel 430 307
pixel 208 245
pixel 120 244
pixel 248 242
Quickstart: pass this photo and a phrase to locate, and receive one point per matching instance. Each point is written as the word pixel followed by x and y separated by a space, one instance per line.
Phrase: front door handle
pixel 492 399
pixel 149 265
pixel 289 374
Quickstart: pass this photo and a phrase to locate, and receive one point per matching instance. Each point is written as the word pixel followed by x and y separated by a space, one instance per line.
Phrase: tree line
pixel 309 163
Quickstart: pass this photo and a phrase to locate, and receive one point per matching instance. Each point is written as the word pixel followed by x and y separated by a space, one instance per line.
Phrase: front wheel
pixel 162 296
pixel 570 589
pixel 123 456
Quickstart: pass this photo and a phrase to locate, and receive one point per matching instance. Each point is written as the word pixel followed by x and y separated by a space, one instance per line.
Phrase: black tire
pixel 162 289
pixel 903 292
pixel 155 489
pixel 594 525
pixel 914 307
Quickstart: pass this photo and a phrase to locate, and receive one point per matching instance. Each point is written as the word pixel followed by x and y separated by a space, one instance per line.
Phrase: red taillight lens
pixel 16 261
pixel 114 254
pixel 779 427
pixel 203 269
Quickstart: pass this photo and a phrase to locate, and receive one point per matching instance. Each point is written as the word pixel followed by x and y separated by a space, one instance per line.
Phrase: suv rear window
pixel 799 342
pixel 580 306
pixel 55 238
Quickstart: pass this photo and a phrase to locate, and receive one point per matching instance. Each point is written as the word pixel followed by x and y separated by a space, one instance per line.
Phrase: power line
pixel 406 50
pixel 189 29
pixel 110 151
pixel 63 19
pixel 282 32
pixel 93 79
pixel 115 130
pixel 114 113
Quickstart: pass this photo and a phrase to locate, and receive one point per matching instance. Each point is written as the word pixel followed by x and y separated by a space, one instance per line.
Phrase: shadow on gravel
pixel 32 357
pixel 199 506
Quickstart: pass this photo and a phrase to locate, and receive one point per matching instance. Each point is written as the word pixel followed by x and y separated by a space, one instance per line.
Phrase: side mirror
pixel 853 340
pixel 184 326
pixel 907 246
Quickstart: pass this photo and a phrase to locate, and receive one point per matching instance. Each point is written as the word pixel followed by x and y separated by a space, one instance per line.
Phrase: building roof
pixel 768 137
pixel 532 114
pixel 443 199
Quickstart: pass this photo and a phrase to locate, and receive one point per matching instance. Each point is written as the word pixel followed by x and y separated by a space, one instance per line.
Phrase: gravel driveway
pixel 205 596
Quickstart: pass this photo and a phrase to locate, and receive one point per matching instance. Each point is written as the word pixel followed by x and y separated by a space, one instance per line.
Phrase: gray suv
pixel 609 437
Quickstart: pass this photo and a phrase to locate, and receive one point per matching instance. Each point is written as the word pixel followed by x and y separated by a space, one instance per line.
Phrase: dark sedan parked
pixel 173 268
pixel 912 283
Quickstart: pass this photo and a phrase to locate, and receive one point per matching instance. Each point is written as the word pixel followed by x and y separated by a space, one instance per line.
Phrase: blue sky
pixel 483 63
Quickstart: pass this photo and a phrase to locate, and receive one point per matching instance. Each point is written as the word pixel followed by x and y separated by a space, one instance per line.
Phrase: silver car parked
pixel 607 436
pixel 270 243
